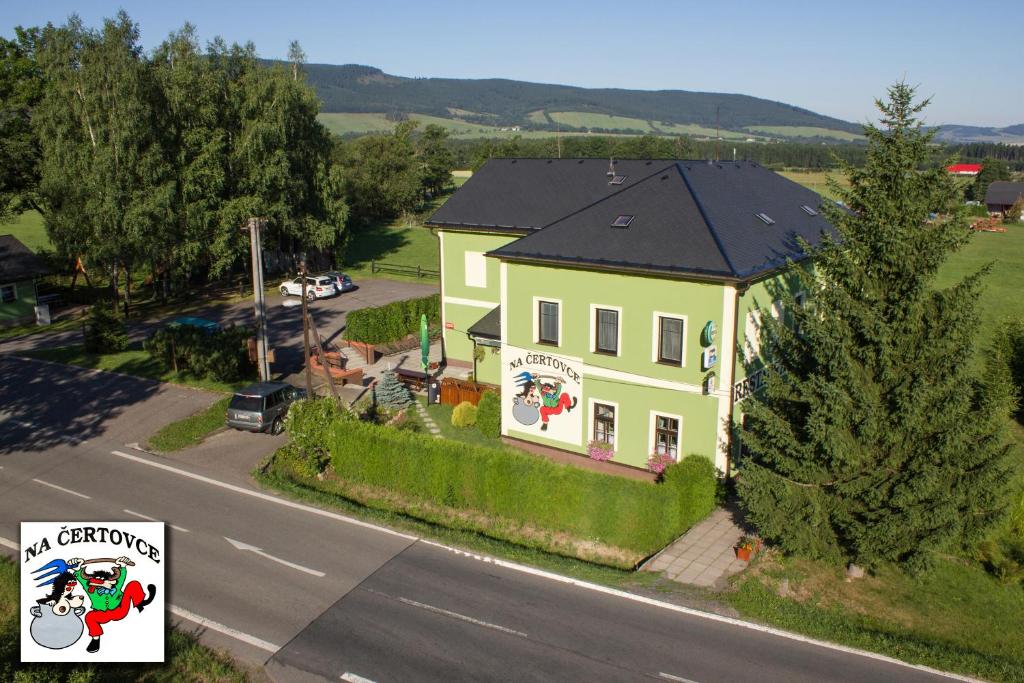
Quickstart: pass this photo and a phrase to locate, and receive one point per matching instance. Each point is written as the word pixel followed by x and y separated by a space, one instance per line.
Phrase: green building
pixel 19 268
pixel 617 304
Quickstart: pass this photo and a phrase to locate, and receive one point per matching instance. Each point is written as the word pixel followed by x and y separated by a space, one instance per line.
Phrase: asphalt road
pixel 327 596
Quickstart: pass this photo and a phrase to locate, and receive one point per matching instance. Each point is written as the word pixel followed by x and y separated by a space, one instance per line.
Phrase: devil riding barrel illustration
pixel 109 596
pixel 540 397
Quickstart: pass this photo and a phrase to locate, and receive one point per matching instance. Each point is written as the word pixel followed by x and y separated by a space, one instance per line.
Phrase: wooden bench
pixel 414 379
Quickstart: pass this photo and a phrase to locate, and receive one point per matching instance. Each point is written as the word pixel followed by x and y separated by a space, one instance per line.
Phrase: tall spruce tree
pixel 876 439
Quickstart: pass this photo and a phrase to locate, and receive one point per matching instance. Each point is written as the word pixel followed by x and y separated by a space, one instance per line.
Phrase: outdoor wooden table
pixel 414 379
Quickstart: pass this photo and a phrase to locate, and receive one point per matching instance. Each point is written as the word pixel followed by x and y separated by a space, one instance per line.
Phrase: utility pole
pixel 255 226
pixel 305 330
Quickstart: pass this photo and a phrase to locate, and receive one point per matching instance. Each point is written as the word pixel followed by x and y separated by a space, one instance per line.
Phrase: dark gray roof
pixel 488 326
pixel 524 194
pixel 689 217
pixel 18 262
pixel 1002 192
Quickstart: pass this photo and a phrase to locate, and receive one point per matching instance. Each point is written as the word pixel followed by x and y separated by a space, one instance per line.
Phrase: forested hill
pixel 364 89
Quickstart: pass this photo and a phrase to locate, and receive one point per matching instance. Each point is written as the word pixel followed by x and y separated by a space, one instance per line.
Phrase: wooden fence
pixel 418 271
pixel 455 391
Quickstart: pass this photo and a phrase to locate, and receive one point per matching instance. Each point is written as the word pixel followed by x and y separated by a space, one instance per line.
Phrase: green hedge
pixel 388 323
pixel 510 489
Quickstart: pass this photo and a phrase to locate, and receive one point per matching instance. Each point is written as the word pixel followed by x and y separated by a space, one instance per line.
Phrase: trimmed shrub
pixel 391 322
pixel 694 483
pixel 464 415
pixel 309 423
pixel 105 331
pixel 221 355
pixel 488 415
pixel 502 492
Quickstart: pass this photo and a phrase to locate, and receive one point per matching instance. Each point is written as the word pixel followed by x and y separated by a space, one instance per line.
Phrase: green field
pixel 805 132
pixel 816 180
pixel 358 124
pixel 580 119
pixel 537 116
pixel 28 228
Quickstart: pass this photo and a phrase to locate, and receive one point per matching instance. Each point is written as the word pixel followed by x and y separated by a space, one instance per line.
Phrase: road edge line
pixel 264 496
pixel 221 628
pixel 771 630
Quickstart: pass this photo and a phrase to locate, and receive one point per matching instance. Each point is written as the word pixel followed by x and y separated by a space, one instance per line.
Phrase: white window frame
pixel 593 330
pixel 14 293
pixel 656 336
pixel 615 420
pixel 535 314
pixel 475 269
pixel 653 429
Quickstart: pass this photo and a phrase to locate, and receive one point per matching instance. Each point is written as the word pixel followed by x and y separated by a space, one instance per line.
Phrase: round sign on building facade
pixel 707 335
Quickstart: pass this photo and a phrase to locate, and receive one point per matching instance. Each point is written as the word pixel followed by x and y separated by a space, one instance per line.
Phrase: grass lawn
pixel 62 325
pixel 403 242
pixel 134 361
pixel 953 616
pixel 805 132
pixel 186 659
pixel 442 415
pixel 192 429
pixel 28 228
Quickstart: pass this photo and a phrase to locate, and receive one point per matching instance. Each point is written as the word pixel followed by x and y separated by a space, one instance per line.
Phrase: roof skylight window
pixel 622 221
pixel 808 210
pixel 617 180
pixel 765 218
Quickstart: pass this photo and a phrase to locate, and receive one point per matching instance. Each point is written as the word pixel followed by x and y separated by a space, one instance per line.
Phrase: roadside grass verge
pixel 186 659
pixel 953 616
pixel 62 325
pixel 134 361
pixel 191 430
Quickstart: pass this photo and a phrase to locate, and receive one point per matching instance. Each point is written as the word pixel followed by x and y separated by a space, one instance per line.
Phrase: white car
pixel 316 287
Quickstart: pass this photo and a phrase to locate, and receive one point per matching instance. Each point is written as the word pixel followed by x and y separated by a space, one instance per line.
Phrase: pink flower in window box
pixel 600 451
pixel 657 462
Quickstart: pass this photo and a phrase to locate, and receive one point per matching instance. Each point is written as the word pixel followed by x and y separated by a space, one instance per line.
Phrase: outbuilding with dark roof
pixel 19 268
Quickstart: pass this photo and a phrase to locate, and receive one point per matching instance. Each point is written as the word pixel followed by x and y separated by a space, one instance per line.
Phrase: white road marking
pixel 264 496
pixel 557 577
pixel 221 628
pixel 354 678
pixel 195 618
pixel 61 488
pixel 153 519
pixel 463 617
pixel 697 613
pixel 670 677
pixel 259 551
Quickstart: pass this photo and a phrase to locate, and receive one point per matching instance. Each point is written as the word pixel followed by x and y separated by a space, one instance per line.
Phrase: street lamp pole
pixel 305 330
pixel 255 226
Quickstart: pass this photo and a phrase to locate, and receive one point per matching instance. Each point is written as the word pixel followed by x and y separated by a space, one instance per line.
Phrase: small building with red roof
pixel 964 169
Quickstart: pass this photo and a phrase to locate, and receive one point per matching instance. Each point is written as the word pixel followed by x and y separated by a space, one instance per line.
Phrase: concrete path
pixel 706 554
pixel 428 421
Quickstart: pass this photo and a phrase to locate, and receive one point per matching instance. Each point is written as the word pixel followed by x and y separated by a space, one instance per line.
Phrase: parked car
pixel 207 326
pixel 317 287
pixel 341 281
pixel 261 407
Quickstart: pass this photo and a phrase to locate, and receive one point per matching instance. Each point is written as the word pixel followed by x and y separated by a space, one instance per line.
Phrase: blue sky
pixel 830 57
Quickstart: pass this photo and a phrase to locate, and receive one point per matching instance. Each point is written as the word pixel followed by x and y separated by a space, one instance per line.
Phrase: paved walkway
pixel 706 554
pixel 428 421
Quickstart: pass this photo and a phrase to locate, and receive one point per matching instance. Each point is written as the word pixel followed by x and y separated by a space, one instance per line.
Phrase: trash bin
pixel 433 393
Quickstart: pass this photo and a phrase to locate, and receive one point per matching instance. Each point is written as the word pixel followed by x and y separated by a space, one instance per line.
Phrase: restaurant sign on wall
pixel 542 394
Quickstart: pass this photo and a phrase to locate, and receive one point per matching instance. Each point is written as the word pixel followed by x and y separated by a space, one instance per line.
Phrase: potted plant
pixel 747 548
pixel 600 451
pixel 657 462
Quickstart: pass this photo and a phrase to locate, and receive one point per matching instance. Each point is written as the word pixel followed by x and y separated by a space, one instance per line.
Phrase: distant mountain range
pixel 1010 135
pixel 359 99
